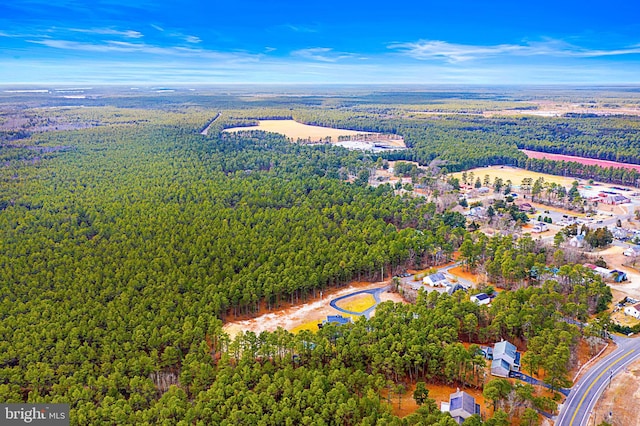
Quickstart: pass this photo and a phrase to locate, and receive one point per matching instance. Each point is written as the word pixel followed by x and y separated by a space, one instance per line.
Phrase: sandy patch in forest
pixel 304 314
pixel 295 131
pixel 514 174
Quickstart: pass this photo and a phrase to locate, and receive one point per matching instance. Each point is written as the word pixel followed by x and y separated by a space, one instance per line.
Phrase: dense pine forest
pixel 125 245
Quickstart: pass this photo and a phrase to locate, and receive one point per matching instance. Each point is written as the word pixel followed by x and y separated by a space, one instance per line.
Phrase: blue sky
pixel 400 41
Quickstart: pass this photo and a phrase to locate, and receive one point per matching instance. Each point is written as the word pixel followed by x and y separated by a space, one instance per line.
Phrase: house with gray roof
pixel 506 358
pixel 461 406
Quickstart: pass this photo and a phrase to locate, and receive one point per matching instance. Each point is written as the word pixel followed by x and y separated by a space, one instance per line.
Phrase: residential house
pixel 621 233
pixel 506 358
pixel 632 251
pixel 607 274
pixel 633 311
pixel 476 211
pixel 525 207
pixel 461 406
pixel 577 241
pixel 336 319
pixel 452 288
pixel 436 280
pixel 540 227
pixel 481 299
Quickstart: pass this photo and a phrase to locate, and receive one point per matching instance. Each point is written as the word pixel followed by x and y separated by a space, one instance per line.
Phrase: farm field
pixel 581 160
pixel 294 130
pixel 515 174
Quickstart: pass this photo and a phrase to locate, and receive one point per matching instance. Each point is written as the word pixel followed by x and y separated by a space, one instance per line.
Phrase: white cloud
pixel 113 46
pixel 109 31
pixel 193 39
pixel 299 28
pixel 453 52
pixel 322 54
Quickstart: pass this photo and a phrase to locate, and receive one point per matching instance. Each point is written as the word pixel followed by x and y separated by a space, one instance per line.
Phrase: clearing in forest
pixel 358 303
pixel 514 174
pixel 306 316
pixel 298 131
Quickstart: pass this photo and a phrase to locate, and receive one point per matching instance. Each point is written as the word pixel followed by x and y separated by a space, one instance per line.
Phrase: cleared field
pixel 359 303
pixel 294 130
pixel 298 131
pixel 514 174
pixel 581 160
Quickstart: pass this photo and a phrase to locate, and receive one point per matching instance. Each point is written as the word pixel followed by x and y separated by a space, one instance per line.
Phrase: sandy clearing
pixel 514 174
pixel 581 160
pixel 294 130
pixel 295 316
pixel 298 131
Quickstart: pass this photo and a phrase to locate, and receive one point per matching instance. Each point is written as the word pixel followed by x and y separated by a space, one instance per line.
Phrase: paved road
pixel 533 381
pixel 585 393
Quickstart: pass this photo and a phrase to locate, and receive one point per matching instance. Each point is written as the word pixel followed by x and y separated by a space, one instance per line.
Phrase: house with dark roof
pixel 506 358
pixel 481 299
pixel 436 280
pixel 461 406
pixel 452 288
pixel 336 319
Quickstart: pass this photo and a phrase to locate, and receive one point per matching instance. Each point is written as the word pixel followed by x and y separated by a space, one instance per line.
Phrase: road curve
pixel 585 393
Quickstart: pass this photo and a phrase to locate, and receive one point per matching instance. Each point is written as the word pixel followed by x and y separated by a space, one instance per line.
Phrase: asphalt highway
pixel 585 393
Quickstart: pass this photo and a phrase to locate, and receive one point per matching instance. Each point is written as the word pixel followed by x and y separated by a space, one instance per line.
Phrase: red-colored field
pixel 581 160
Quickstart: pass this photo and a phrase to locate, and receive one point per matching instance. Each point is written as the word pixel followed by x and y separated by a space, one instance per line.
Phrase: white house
pixel 436 280
pixel 476 211
pixel 632 251
pixel 540 227
pixel 481 299
pixel 577 241
pixel 633 311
